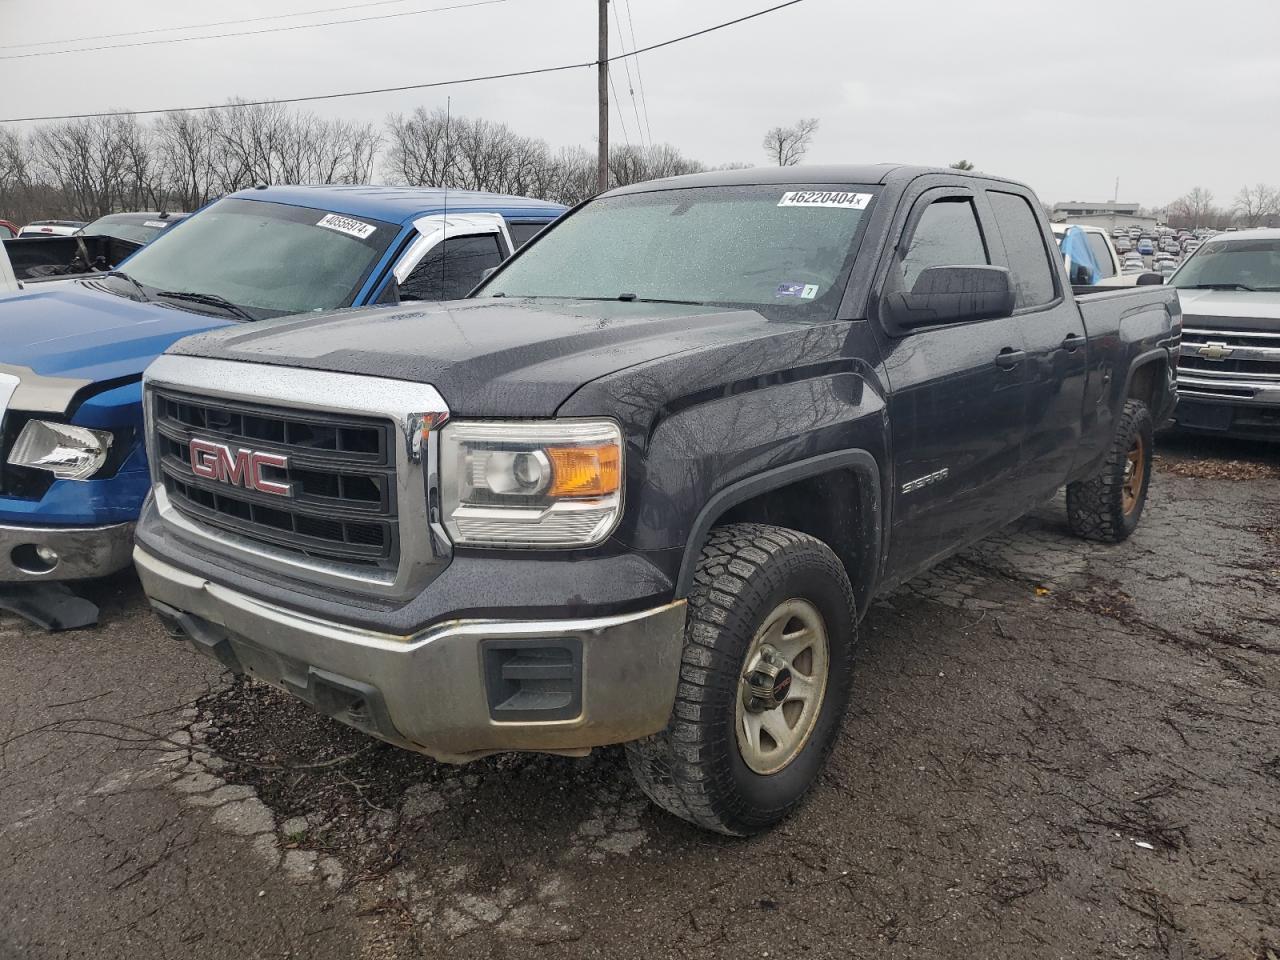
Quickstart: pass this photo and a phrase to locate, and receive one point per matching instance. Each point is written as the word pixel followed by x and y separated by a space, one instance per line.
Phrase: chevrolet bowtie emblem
pixel 1215 351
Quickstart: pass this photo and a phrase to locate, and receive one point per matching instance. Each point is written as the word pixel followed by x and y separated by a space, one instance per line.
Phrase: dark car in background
pixel 94 247
pixel 139 228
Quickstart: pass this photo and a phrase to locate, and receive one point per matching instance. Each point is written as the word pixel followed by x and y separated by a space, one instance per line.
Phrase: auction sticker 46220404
pixel 825 198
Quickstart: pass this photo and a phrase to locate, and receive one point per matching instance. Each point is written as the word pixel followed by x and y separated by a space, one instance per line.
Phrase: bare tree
pixel 1256 204
pixel 1195 209
pixel 88 160
pixel 786 146
pixel 184 159
pixel 181 160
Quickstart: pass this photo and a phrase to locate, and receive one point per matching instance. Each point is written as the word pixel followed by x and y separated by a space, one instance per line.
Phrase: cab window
pixel 452 268
pixel 947 235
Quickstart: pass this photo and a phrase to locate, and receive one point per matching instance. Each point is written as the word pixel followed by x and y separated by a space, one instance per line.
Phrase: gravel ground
pixel 1054 749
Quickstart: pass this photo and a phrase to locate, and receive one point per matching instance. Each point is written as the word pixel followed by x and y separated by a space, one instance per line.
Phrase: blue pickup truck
pixel 73 471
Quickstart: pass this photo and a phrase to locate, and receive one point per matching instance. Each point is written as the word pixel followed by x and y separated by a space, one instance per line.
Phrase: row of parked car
pixel 632 482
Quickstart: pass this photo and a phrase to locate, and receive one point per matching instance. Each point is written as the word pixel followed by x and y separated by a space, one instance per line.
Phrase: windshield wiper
pixel 1219 286
pixel 142 291
pixel 209 300
pixel 633 298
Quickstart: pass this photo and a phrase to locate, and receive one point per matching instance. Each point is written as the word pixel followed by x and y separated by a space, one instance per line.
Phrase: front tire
pixel 1108 506
pixel 764 679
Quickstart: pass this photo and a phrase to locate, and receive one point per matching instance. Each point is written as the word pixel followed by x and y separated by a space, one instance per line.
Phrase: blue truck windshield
pixel 785 249
pixel 269 259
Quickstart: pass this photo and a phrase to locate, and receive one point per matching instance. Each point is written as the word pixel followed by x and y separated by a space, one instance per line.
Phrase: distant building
pixel 1103 214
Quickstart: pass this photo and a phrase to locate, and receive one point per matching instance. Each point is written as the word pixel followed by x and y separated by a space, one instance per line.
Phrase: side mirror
pixel 486 273
pixel 1080 275
pixel 944 295
pixel 1150 280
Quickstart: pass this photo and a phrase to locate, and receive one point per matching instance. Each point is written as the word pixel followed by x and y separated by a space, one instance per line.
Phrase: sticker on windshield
pixel 155 223
pixel 804 291
pixel 821 198
pixel 353 228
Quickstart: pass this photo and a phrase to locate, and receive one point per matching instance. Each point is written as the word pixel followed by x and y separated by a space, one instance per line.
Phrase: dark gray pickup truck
pixel 641 485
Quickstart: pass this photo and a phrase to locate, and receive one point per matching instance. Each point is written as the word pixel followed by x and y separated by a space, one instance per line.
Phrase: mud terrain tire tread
pixel 1095 507
pixel 688 768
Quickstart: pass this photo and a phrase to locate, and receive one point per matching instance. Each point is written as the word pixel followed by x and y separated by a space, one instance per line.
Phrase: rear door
pixel 957 401
pixel 1053 336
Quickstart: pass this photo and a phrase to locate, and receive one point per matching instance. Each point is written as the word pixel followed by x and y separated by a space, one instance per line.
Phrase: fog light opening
pixel 34 558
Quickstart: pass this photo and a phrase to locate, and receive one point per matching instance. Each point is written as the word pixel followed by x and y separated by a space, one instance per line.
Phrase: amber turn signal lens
pixel 588 471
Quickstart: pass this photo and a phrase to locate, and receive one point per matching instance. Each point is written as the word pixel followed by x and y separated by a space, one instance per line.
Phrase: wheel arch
pixel 850 480
pixel 1147 380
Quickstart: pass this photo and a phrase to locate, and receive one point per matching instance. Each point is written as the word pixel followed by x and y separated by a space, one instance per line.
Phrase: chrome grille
pixel 341 470
pixel 1233 352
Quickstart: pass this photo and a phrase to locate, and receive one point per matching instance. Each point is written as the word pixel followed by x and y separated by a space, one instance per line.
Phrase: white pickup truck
pixel 1104 251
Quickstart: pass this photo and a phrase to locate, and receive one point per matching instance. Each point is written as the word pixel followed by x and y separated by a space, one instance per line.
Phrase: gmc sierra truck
pixel 641 485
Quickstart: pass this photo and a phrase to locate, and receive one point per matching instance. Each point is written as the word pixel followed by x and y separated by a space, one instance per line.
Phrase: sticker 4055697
pixel 824 198
pixel 347 225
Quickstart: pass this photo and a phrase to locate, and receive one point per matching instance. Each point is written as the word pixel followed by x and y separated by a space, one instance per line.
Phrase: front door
pixel 957 402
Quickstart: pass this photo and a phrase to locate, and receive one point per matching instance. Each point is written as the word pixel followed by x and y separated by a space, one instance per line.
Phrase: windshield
pixel 785 250
pixel 1233 265
pixel 270 259
pixel 136 231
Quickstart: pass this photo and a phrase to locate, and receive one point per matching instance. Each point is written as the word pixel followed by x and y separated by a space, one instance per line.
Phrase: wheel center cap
pixel 769 682
pixel 781 687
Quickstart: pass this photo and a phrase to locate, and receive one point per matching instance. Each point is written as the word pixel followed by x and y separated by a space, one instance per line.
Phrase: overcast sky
pixel 1164 94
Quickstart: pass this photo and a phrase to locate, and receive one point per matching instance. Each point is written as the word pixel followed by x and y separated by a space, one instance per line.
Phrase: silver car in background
pixel 1229 370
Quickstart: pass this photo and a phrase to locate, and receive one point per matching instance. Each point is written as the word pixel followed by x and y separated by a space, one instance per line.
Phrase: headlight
pixel 69 453
pixel 522 483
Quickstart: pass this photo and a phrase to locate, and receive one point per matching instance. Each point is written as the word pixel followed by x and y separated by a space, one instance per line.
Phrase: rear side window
pixel 523 232
pixel 946 236
pixel 1101 253
pixel 452 268
pixel 1032 276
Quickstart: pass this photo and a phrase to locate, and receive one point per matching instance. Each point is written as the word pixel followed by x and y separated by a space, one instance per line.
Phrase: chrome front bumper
pixel 1224 388
pixel 447 691
pixel 82 552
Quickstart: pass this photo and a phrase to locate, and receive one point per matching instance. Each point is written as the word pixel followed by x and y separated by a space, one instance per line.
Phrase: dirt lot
pixel 1055 749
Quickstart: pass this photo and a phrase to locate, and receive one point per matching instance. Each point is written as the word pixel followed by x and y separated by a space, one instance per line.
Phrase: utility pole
pixel 602 161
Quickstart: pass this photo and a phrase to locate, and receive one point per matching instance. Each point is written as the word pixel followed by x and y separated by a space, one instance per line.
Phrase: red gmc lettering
pixel 243 468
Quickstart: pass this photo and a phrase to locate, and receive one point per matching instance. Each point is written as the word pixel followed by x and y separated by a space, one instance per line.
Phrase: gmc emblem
pixel 243 468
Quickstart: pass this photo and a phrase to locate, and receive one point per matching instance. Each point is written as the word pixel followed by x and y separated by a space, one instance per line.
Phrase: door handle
pixel 1008 358
pixel 1071 343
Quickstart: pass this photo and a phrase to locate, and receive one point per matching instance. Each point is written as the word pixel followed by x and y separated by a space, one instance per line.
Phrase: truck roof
pixel 1253 233
pixel 399 204
pixel 883 173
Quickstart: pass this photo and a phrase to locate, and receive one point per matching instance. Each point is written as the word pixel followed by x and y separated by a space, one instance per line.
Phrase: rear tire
pixel 1108 506
pixel 764 679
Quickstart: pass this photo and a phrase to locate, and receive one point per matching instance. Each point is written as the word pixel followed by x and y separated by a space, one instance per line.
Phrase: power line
pixel 631 87
pixel 622 117
pixel 408 86
pixel 199 26
pixel 250 33
pixel 644 101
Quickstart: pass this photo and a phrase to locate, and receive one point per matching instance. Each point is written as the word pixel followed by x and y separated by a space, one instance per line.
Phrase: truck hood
pixel 489 356
pixel 76 331
pixel 1227 308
